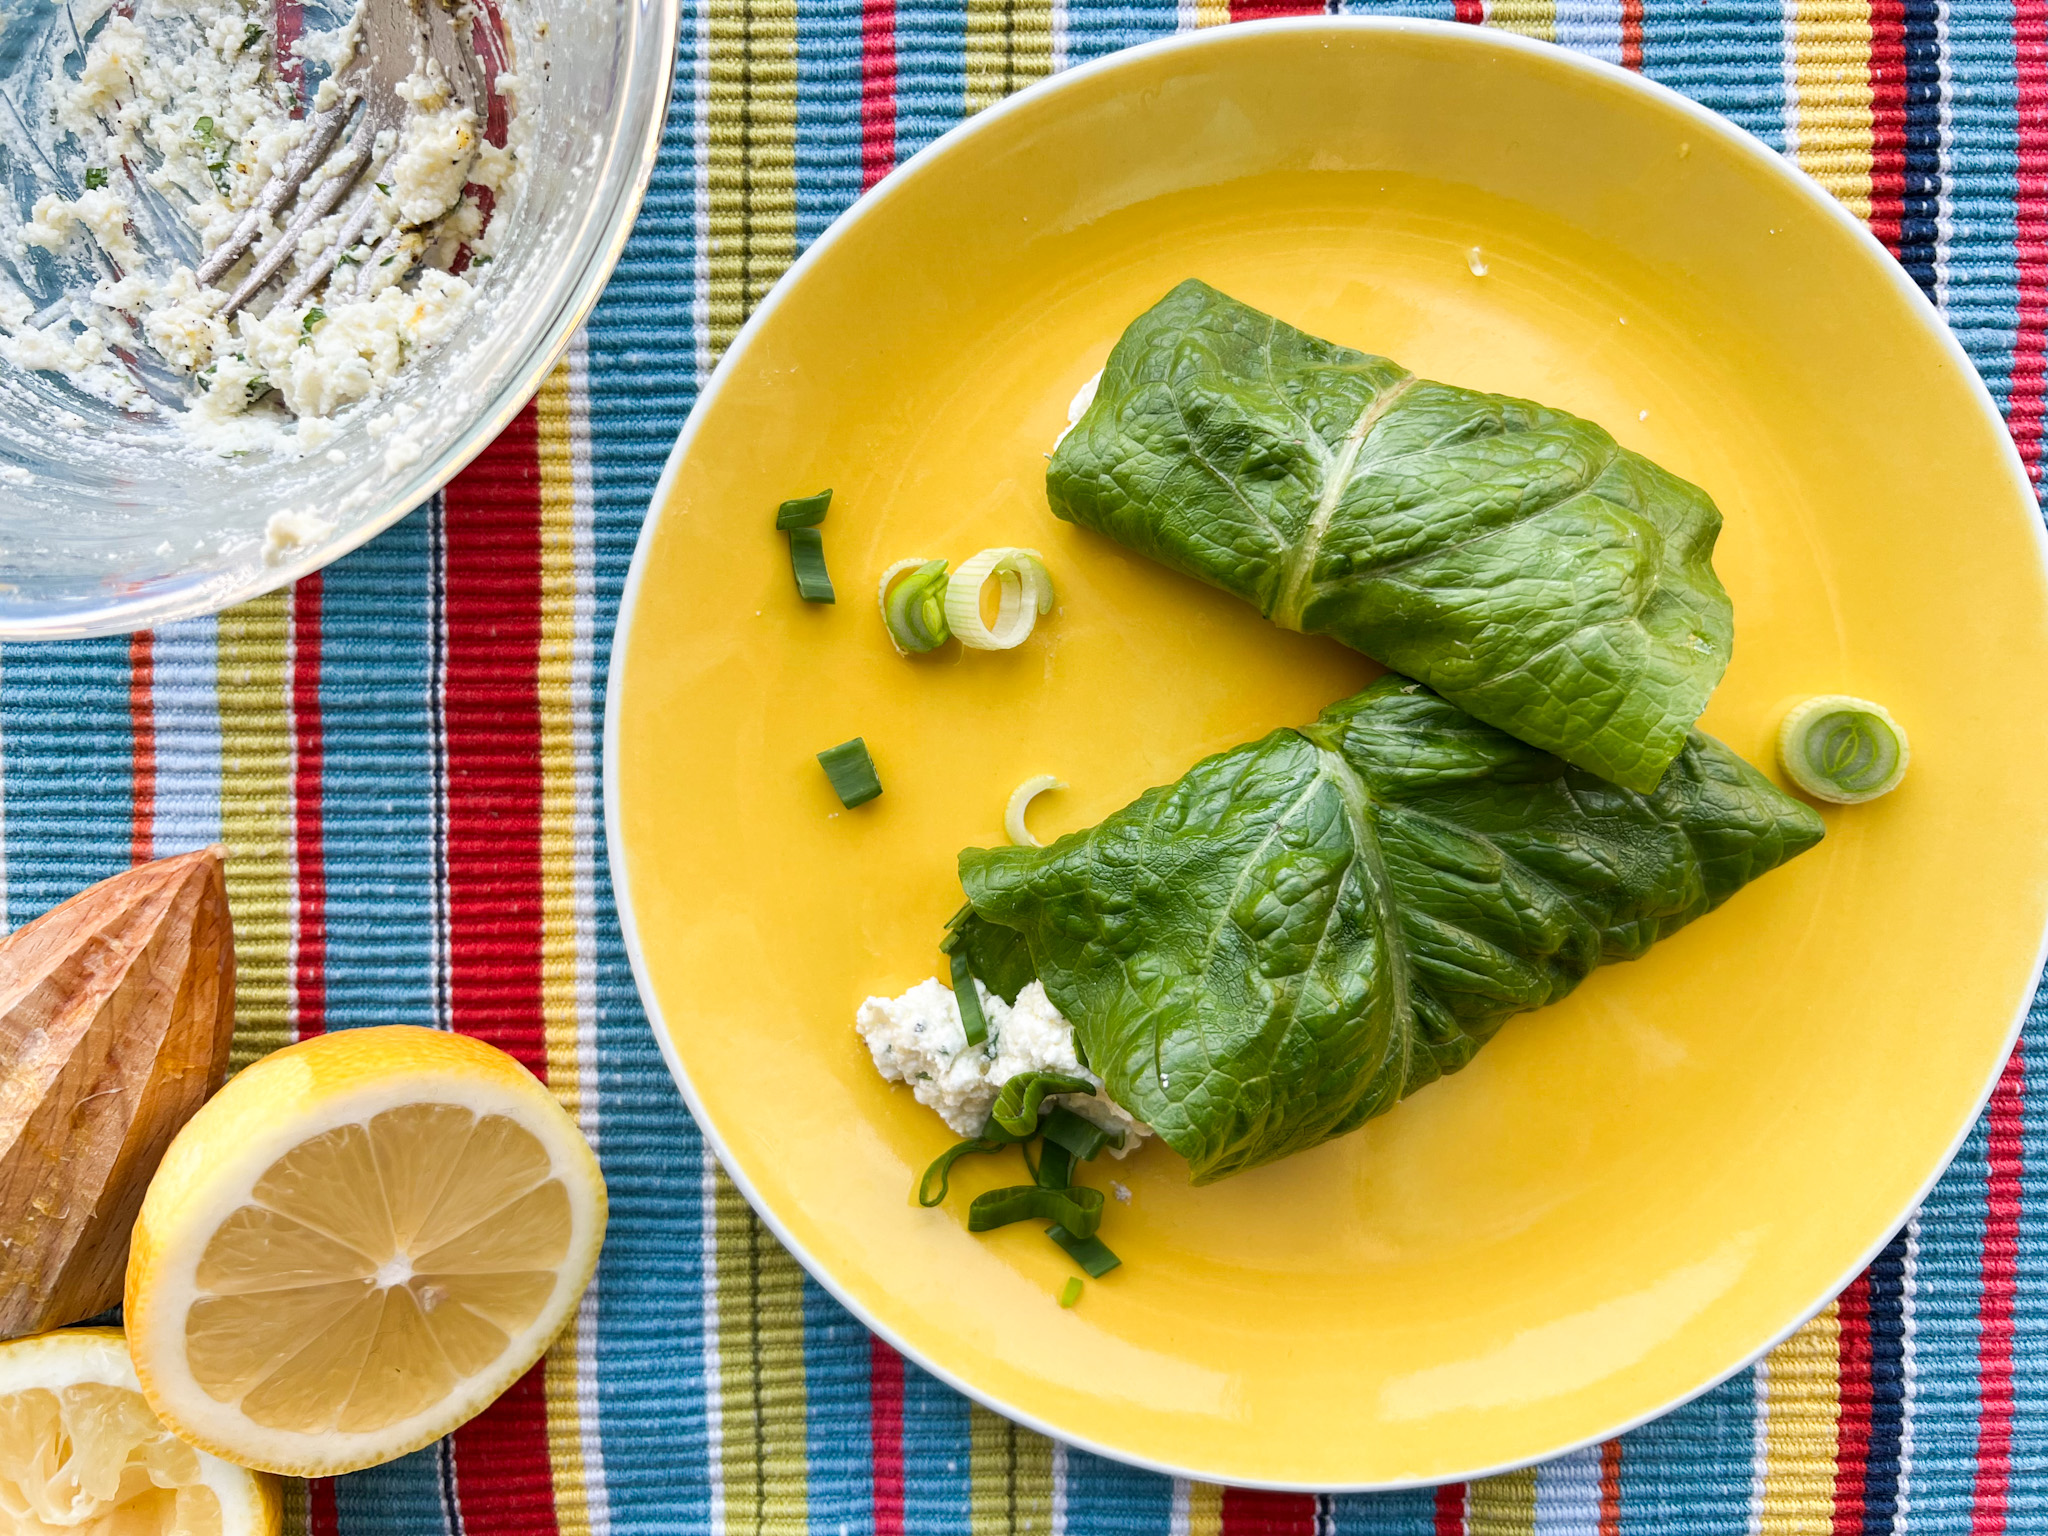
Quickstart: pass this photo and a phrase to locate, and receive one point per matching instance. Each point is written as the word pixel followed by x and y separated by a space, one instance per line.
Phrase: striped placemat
pixel 401 753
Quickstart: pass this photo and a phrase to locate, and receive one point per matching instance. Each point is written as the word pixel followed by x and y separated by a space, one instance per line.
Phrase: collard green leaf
pixel 1513 557
pixel 1304 930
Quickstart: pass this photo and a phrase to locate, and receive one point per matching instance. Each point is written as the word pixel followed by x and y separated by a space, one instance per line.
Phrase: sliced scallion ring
pixel 1020 802
pixel 914 612
pixel 1843 750
pixel 1025 593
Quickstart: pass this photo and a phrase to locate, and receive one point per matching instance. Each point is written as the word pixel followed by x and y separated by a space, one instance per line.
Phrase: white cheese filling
pixel 918 1039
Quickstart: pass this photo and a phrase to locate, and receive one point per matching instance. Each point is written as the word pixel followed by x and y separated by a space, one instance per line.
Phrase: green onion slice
pixel 914 612
pixel 851 771
pixel 1843 750
pixel 1078 1211
pixel 1020 802
pixel 972 1019
pixel 807 559
pixel 1071 1291
pixel 1026 592
pixel 1090 1252
pixel 1055 1168
pixel 1080 1136
pixel 954 924
pixel 1023 1097
pixel 803 512
pixel 931 1189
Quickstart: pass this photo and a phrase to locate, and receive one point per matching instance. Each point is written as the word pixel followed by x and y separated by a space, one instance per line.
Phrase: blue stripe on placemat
pixel 1108 1497
pixel 376 815
pixel 64 726
pixel 828 128
pixel 1725 54
pixel 1982 285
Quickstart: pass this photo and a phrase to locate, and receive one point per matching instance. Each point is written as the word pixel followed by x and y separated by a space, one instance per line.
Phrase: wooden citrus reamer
pixel 116 1012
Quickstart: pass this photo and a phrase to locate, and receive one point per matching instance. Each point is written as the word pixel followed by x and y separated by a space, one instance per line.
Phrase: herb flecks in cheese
pixel 918 1039
pixel 180 115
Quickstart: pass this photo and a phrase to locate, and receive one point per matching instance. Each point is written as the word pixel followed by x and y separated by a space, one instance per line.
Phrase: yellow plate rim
pixel 1698 117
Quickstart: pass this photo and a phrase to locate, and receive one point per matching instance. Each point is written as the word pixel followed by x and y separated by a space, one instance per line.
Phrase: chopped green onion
pixel 1025 593
pixel 251 35
pixel 954 924
pixel 851 771
pixel 1071 1291
pixel 1090 1252
pixel 915 612
pixel 1078 1211
pixel 803 512
pixel 1020 802
pixel 807 559
pixel 1055 1168
pixel 971 1017
pixel 95 177
pixel 941 1170
pixel 1080 1136
pixel 1018 1106
pixel 202 127
pixel 1843 750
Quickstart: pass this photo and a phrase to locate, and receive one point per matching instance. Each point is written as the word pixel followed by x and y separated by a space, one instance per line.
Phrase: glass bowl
pixel 110 522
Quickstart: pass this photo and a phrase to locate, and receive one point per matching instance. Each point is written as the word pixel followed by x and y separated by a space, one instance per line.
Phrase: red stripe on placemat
pixel 1450 1498
pixel 885 1436
pixel 1259 1512
pixel 1610 1488
pixel 1887 120
pixel 322 1518
pixel 1998 1268
pixel 2023 399
pixel 492 521
pixel 309 860
pixel 1852 1384
pixel 1473 14
pixel 142 729
pixel 1632 34
pixel 877 90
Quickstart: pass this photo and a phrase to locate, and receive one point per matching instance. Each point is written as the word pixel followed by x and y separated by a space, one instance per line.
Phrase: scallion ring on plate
pixel 1025 593
pixel 914 612
pixel 1020 802
pixel 1843 750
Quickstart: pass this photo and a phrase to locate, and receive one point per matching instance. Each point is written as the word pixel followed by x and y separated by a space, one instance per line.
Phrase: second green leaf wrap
pixel 1304 930
pixel 1513 557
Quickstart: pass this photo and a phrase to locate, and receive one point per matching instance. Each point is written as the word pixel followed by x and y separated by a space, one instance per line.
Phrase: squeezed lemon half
pixel 81 1451
pixel 355 1246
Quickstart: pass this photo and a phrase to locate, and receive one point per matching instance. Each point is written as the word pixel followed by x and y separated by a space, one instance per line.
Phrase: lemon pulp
pixel 375 1267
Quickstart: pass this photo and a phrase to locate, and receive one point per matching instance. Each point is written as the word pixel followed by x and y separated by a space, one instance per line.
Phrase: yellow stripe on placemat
pixel 1010 1482
pixel 763 1464
pixel 1212 13
pixel 750 158
pixel 1799 1392
pixel 1530 18
pixel 1503 1505
pixel 255 817
pixel 1828 126
pixel 563 687
pixel 1009 45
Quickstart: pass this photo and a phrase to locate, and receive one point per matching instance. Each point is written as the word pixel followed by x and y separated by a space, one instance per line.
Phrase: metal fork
pixel 396 38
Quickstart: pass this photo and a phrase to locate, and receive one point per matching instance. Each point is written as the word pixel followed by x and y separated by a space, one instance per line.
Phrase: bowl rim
pixel 654 28
pixel 1705 120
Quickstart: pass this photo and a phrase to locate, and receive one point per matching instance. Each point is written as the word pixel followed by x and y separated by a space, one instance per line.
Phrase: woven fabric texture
pixel 401 754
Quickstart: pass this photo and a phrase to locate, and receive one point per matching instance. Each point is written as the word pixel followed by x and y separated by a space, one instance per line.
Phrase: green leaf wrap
pixel 1513 557
pixel 1304 930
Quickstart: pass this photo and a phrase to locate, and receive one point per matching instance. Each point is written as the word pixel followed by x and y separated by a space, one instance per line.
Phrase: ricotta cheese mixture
pixel 918 1039
pixel 181 114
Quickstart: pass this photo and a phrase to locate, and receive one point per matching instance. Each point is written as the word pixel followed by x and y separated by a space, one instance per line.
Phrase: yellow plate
pixel 1627 1196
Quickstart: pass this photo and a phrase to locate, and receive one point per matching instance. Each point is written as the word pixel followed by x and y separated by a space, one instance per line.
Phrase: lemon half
pixel 81 1451
pixel 355 1246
